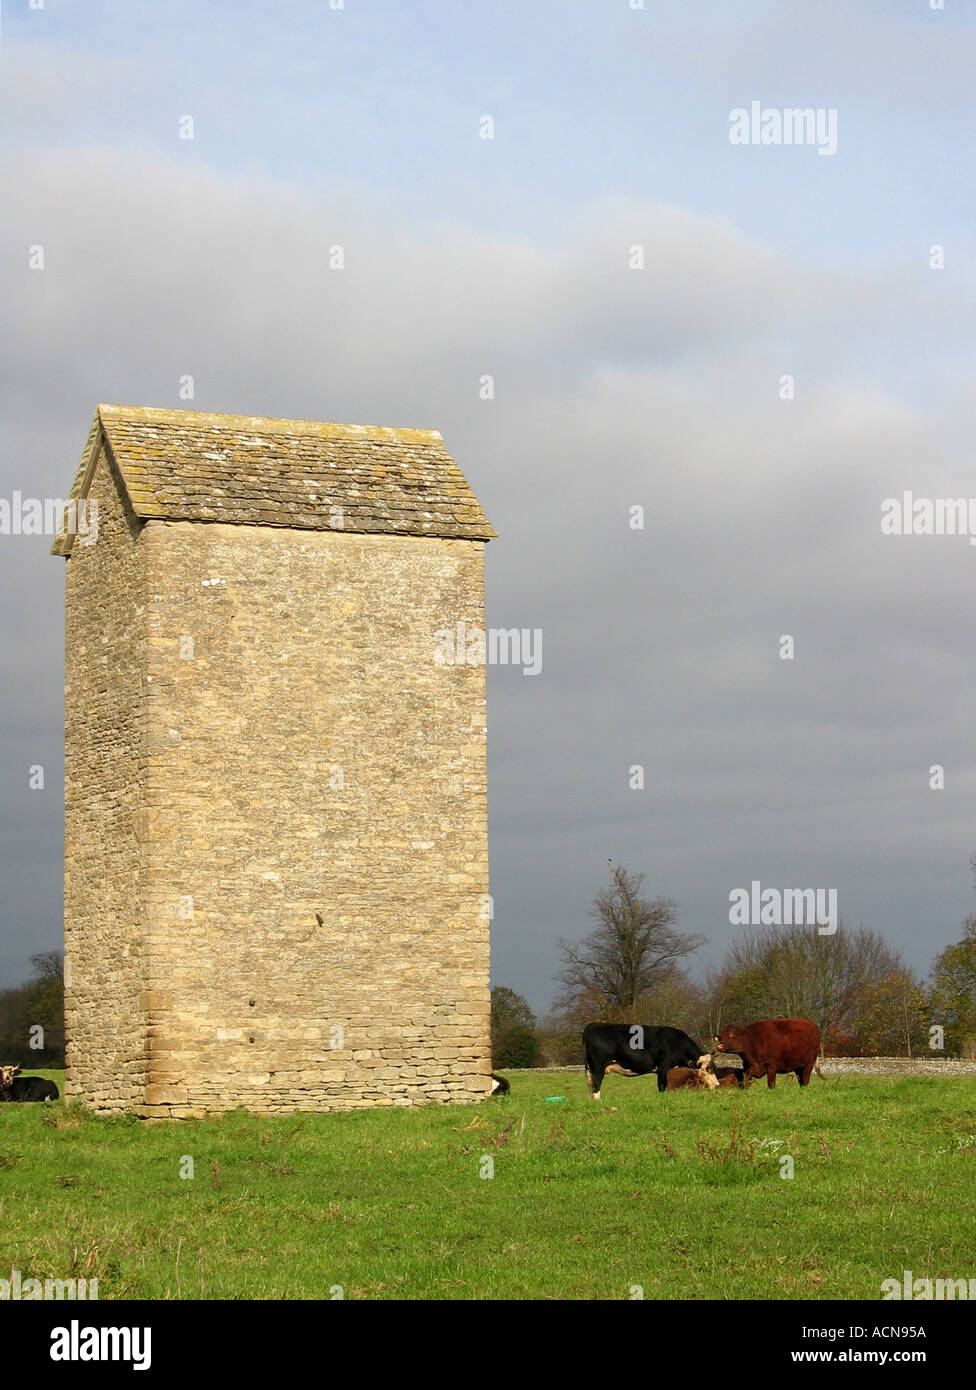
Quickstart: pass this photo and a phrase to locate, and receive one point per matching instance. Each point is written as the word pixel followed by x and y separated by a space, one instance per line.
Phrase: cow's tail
pixel 816 1067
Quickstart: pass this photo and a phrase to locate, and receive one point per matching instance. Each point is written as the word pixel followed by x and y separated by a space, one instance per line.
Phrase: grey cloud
pixel 762 517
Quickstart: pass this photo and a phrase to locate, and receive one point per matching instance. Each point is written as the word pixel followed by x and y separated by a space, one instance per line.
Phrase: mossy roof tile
pixel 185 465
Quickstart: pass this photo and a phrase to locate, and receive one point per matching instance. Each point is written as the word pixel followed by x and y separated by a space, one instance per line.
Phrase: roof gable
pixel 186 465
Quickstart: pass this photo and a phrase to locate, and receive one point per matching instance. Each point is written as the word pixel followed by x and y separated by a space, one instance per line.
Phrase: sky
pixel 615 388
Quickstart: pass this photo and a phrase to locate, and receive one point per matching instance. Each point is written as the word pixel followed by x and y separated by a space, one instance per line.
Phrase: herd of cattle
pixel 16 1087
pixel 772 1047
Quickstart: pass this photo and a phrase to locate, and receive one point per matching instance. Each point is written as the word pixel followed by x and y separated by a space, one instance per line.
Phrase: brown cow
pixel 774 1047
pixel 679 1077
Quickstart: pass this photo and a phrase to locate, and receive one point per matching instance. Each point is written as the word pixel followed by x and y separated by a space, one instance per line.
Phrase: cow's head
pixel 7 1075
pixel 706 1068
pixel 729 1040
pixel 707 1072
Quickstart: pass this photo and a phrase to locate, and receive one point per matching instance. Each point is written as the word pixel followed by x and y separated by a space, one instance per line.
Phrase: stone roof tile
pixel 185 465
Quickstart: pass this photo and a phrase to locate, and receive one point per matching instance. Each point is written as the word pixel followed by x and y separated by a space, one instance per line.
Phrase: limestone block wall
pixel 105 780
pixel 897 1066
pixel 307 757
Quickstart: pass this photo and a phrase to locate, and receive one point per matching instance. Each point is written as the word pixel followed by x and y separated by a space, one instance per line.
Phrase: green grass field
pixel 680 1194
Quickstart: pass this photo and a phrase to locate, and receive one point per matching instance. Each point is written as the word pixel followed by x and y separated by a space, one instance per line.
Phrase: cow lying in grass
pixel 14 1087
pixel 691 1077
pixel 33 1088
pixel 724 1076
pixel 704 1077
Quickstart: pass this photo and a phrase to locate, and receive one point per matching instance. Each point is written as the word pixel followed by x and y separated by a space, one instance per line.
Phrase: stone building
pixel 276 865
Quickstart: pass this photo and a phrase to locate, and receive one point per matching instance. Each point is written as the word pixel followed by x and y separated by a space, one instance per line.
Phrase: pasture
pixel 679 1194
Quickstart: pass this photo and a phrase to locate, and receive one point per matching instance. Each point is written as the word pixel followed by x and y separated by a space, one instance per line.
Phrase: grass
pixel 679 1194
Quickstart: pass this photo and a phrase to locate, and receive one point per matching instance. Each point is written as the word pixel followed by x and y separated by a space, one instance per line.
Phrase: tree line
pixel 32 1016
pixel 633 968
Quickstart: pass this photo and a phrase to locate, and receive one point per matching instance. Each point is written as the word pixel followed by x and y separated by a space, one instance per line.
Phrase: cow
pixel 499 1086
pixel 724 1076
pixel 634 1049
pixel 699 1080
pixel 7 1074
pixel 774 1047
pixel 33 1088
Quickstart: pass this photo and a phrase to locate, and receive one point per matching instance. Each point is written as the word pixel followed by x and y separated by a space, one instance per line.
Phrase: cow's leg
pixel 771 1077
pixel 594 1078
pixel 803 1075
pixel 662 1077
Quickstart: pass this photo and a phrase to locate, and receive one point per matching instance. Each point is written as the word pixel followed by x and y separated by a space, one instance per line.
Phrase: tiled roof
pixel 184 465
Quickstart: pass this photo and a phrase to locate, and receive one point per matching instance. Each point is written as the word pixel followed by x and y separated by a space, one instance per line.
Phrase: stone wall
pixel 897 1066
pixel 105 776
pixel 833 1066
pixel 306 755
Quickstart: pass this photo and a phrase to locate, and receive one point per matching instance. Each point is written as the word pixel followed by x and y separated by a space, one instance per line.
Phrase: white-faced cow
pixel 634 1049
pixel 724 1075
pixel 693 1078
pixel 16 1087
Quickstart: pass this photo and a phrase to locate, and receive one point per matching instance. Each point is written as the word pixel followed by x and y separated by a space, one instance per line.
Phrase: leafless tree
pixel 633 950
pixel 48 965
pixel 835 980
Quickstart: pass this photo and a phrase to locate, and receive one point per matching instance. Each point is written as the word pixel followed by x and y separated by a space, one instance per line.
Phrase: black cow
pixel 32 1088
pixel 634 1049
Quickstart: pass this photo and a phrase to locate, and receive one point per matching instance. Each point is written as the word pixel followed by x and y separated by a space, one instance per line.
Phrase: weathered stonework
pixel 276 846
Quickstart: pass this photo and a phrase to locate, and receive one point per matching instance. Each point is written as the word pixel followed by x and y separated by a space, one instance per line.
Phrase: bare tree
pixel 48 965
pixel 633 949
pixel 835 980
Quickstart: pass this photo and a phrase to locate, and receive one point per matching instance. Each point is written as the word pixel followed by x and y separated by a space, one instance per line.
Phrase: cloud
pixel 613 388
pixel 824 52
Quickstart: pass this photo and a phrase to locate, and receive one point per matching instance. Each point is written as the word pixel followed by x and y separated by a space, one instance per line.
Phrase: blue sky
pixel 590 100
pixel 360 126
